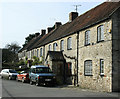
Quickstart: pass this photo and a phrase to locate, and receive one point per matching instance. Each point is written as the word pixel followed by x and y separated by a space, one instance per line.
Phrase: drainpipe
pixel 77 54
pixel 44 54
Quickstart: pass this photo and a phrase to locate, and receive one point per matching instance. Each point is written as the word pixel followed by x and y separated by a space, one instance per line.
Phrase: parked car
pixel 8 74
pixel 41 75
pixel 23 76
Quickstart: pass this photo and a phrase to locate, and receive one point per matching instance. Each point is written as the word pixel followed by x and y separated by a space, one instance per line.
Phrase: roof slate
pixel 91 17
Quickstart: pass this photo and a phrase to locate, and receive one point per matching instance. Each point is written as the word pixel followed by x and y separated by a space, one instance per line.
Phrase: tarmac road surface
pixel 12 88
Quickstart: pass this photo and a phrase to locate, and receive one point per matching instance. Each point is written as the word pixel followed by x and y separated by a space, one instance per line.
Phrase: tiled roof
pixel 31 43
pixel 41 40
pixel 54 55
pixel 91 17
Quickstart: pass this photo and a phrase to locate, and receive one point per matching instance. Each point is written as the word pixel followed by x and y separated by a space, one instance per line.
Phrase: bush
pixel 21 62
pixel 36 61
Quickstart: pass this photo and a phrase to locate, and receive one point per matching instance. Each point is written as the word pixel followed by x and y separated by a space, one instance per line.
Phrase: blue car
pixel 40 74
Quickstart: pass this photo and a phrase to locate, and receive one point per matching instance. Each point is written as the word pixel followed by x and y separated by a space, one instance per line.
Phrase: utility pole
pixel 76 7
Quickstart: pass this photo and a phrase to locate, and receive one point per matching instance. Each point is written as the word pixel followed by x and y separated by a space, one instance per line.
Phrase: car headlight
pixel 54 77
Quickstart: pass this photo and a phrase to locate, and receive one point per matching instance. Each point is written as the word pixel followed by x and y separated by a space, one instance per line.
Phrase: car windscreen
pixel 43 70
pixel 12 71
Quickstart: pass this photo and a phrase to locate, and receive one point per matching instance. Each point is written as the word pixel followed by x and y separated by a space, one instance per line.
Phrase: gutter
pixel 77 54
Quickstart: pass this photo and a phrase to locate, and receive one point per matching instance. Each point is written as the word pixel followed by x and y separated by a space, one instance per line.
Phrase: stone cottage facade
pixel 89 46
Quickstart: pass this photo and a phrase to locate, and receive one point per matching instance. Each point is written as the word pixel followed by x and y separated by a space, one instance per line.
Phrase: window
pixel 49 47
pixel 41 53
pixel 24 53
pixel 37 52
pixel 87 37
pixel 100 33
pixel 54 46
pixel 33 52
pixel 29 54
pixel 88 67
pixel 101 67
pixel 69 43
pixel 62 45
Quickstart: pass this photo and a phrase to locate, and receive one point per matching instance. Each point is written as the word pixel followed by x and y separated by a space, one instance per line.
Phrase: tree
pixel 28 39
pixel 10 55
pixel 13 47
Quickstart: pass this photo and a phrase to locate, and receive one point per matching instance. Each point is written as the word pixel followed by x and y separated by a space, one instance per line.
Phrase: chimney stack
pixel 57 24
pixel 72 16
pixel 36 34
pixel 49 29
pixel 43 32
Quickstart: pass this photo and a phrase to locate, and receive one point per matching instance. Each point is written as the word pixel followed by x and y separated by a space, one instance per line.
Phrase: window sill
pixel 100 41
pixel 102 75
pixel 87 44
pixel 69 49
pixel 87 75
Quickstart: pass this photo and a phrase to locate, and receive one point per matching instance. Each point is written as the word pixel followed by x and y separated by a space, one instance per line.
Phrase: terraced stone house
pixel 84 51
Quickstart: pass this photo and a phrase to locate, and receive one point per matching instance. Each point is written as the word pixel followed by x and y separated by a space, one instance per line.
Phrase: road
pixel 12 88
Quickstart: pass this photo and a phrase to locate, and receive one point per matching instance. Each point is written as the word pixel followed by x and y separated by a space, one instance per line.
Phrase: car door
pixel 32 74
pixel 6 74
pixel 20 76
pixel 3 73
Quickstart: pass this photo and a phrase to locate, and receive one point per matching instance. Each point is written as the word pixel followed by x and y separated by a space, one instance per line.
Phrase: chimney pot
pixel 49 29
pixel 43 32
pixel 57 24
pixel 72 16
pixel 36 34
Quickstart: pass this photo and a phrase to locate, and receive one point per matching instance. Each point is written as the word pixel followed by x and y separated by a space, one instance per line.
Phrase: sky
pixel 19 18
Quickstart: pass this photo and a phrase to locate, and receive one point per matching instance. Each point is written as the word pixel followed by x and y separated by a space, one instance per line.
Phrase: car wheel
pixel 17 79
pixel 9 77
pixel 1 77
pixel 23 80
pixel 37 83
pixel 31 82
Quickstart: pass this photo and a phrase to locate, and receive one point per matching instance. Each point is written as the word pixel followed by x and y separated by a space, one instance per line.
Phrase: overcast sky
pixel 19 19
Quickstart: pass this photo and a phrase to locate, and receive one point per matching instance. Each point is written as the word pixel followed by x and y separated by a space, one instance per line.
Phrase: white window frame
pixel 37 52
pixel 88 68
pixel 41 52
pixel 69 43
pixel 101 66
pixel 49 47
pixel 100 33
pixel 33 52
pixel 87 37
pixel 54 46
pixel 62 45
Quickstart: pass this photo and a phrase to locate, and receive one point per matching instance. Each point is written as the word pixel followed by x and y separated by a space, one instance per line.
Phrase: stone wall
pixel 69 55
pixel 96 51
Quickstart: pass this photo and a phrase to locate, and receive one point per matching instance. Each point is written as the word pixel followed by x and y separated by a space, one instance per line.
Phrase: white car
pixel 9 74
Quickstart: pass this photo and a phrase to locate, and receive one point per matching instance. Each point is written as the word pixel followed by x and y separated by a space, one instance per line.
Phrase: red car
pixel 23 76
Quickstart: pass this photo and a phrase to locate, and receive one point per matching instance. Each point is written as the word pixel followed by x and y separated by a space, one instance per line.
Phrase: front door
pixel 69 73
